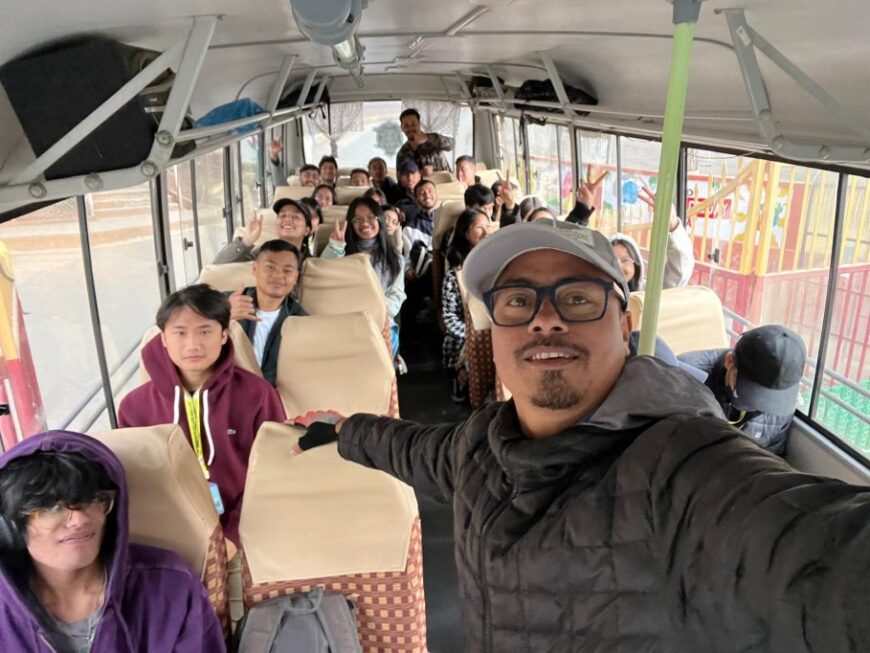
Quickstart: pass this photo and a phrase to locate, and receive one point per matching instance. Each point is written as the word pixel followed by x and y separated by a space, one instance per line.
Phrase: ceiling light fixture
pixel 334 23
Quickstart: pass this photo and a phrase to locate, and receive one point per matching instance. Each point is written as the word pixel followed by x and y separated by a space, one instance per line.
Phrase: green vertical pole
pixel 685 17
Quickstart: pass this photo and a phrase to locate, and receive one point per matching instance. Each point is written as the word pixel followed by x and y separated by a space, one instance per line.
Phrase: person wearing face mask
pixel 70 579
pixel 368 235
pixel 472 226
pixel 294 226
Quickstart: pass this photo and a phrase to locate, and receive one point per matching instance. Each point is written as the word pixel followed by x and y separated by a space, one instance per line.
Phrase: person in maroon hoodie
pixel 195 384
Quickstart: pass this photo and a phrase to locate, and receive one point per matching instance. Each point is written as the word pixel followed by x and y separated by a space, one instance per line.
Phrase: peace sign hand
pixel 585 194
pixel 275 148
pixel 649 198
pixel 338 231
pixel 253 230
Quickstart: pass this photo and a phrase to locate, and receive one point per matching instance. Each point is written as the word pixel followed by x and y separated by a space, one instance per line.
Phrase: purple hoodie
pixel 234 405
pixel 153 601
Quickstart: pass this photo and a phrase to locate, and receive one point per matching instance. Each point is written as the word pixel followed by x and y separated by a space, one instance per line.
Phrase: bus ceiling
pixel 617 52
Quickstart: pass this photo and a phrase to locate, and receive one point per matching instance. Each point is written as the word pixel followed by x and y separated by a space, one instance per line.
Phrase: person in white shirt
pixel 261 309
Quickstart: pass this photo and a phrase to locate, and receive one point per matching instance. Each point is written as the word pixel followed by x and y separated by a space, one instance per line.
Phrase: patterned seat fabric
pixel 481 366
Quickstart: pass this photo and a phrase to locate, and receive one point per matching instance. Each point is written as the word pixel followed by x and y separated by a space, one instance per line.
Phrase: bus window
pixel 762 233
pixel 566 169
pixel 122 251
pixel 844 400
pixel 49 363
pixel 465 136
pixel 599 151
pixel 180 200
pixel 544 165
pixel 640 164
pixel 249 174
pixel 210 204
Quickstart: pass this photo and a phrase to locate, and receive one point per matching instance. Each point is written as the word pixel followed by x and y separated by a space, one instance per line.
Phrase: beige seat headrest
pixel 690 318
pixel 243 350
pixel 446 220
pixel 317 515
pixel 477 309
pixel 334 213
pixel 441 177
pixel 344 171
pixel 336 362
pixel 292 192
pixel 226 277
pixel 342 285
pixel 452 190
pixel 170 503
pixel 489 177
pixel 321 238
pixel 346 194
pixel 293 180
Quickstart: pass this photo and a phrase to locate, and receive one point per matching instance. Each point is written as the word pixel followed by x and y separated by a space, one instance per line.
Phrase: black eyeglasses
pixel 575 300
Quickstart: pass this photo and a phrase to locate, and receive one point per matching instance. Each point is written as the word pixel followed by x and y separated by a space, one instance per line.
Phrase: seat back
pixel 334 213
pixel 349 528
pixel 292 192
pixel 243 350
pixel 227 277
pixel 337 362
pixel 451 190
pixel 447 216
pixel 441 177
pixel 478 351
pixel 489 177
pixel 170 503
pixel 346 194
pixel 690 318
pixel 321 238
pixel 342 285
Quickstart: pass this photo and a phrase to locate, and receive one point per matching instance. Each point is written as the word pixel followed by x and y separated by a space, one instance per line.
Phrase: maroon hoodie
pixel 234 405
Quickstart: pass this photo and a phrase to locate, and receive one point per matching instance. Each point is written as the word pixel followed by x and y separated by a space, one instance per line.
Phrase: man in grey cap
pixel 757 382
pixel 608 506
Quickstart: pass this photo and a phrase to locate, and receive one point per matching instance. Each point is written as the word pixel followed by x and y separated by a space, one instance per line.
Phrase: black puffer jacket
pixel 634 531
pixel 768 431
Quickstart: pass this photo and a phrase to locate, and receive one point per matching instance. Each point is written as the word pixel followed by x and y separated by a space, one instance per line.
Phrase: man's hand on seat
pixel 322 428
pixel 242 306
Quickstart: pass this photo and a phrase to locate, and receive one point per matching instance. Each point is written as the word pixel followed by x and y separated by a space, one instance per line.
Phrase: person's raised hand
pixel 339 229
pixel 648 197
pixel 506 191
pixel 253 230
pixel 242 306
pixel 585 194
pixel 275 148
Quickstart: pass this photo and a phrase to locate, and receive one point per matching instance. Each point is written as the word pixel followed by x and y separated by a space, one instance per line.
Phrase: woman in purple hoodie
pixel 195 384
pixel 69 578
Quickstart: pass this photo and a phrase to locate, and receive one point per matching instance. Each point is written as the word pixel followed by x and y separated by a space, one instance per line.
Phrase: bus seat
pixel 243 350
pixel 480 165
pixel 344 171
pixel 226 277
pixel 447 216
pixel 293 180
pixel 269 231
pixel 347 285
pixel 452 190
pixel 318 520
pixel 489 177
pixel 334 213
pixel 321 238
pixel 292 192
pixel 441 177
pixel 170 504
pixel 391 172
pixel 477 352
pixel 346 194
pixel 344 182
pixel 336 362
pixel 690 318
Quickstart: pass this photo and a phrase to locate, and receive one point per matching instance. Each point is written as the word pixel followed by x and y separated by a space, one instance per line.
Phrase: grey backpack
pixel 317 622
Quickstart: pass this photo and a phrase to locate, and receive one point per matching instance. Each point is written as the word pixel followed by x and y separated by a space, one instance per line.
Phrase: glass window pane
pixel 180 201
pixel 122 250
pixel 49 363
pixel 508 148
pixel 762 234
pixel 250 160
pixel 210 204
pixel 599 152
pixel 640 164
pixel 544 164
pixel 844 403
pixel 566 168
pixel 465 136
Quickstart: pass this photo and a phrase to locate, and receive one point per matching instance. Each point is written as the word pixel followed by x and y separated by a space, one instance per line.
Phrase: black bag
pixel 420 258
pixel 316 622
pixel 55 88
pixel 543 91
pixel 291 99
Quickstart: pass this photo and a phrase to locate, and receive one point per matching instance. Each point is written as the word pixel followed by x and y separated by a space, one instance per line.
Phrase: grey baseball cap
pixel 488 260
